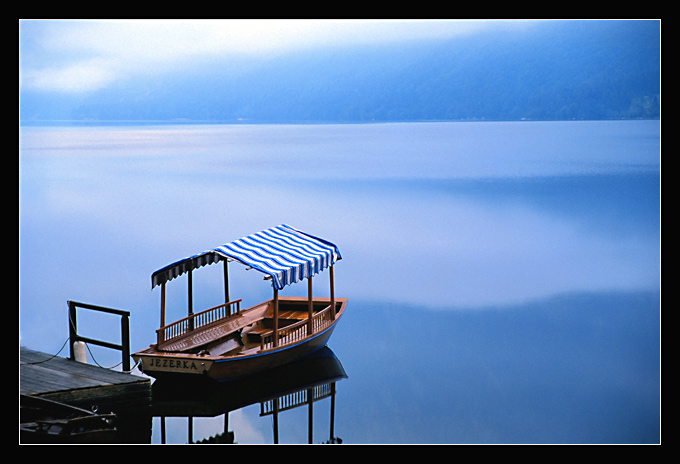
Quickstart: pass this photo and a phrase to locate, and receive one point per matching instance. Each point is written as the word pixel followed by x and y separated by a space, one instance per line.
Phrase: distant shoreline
pixel 172 122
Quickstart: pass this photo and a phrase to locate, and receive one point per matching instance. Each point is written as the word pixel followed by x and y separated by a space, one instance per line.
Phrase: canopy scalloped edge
pixel 286 254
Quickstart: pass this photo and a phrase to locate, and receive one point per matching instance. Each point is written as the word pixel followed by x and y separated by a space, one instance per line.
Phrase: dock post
pixel 125 341
pixel 72 328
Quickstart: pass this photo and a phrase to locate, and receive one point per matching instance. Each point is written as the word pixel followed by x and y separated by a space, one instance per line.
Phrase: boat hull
pixel 237 367
pixel 223 368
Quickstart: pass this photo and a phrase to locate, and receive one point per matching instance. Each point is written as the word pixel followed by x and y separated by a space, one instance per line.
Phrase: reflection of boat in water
pixel 45 421
pixel 225 342
pixel 299 383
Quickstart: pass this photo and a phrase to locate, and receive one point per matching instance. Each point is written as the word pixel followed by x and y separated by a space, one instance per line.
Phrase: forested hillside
pixel 552 71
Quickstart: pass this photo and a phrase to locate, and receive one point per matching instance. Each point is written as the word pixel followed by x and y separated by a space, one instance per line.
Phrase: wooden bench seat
pixel 293 314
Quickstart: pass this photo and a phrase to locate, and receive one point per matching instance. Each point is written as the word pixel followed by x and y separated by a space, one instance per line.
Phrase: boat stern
pixel 153 363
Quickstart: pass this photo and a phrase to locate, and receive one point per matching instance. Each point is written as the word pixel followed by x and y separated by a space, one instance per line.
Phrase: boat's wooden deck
pixel 292 309
pixel 204 335
pixel 209 334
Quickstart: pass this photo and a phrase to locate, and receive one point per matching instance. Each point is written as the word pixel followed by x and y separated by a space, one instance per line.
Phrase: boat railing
pixel 299 330
pixel 297 398
pixel 198 320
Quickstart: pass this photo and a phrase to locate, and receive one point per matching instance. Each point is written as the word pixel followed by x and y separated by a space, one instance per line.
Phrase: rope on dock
pixel 91 355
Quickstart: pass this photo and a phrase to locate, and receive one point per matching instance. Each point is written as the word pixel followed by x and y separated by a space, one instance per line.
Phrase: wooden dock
pixel 89 387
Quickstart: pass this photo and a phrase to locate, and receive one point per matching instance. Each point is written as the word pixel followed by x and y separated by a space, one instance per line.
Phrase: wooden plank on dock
pixel 76 383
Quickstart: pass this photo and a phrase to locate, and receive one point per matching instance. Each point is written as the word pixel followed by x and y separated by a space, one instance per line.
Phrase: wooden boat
pixel 298 383
pixel 226 342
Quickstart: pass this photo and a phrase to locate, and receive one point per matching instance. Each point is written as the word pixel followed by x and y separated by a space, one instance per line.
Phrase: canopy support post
pixel 332 293
pixel 310 306
pixel 190 298
pixel 226 281
pixel 163 304
pixel 276 318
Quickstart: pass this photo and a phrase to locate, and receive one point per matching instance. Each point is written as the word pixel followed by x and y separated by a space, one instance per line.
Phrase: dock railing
pixel 197 321
pixel 124 345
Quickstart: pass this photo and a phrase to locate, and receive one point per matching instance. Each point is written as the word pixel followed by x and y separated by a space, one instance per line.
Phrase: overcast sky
pixel 85 55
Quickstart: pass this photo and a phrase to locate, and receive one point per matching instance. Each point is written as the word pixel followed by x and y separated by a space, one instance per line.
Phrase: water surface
pixel 503 278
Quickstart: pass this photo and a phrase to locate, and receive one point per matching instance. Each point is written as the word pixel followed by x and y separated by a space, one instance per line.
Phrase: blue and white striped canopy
pixel 286 254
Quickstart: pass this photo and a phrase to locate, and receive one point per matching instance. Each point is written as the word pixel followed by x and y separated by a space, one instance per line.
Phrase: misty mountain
pixel 550 71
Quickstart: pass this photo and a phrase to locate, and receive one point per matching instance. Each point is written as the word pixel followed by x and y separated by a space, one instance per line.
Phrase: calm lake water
pixel 503 277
